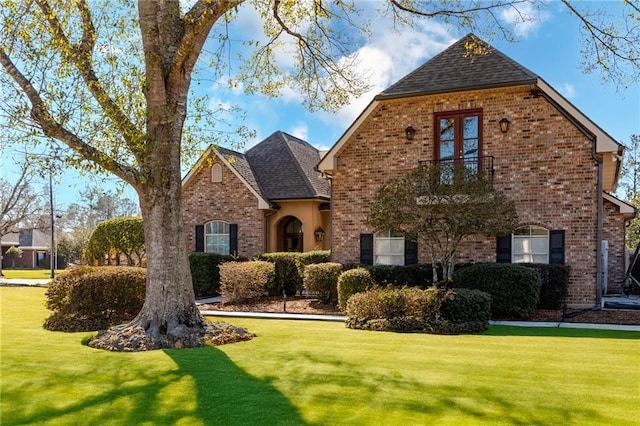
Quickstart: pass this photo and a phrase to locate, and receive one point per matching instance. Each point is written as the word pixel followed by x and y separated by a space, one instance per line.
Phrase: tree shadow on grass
pixel 227 395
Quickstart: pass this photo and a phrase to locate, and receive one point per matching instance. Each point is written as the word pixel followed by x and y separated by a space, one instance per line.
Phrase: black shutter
pixel 410 252
pixel 233 239
pixel 366 249
pixel 503 249
pixel 556 247
pixel 199 237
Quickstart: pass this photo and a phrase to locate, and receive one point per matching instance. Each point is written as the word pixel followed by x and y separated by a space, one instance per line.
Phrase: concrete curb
pixel 340 318
pixel 273 315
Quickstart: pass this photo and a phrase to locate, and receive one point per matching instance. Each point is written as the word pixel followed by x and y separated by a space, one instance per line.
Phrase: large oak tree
pixel 111 83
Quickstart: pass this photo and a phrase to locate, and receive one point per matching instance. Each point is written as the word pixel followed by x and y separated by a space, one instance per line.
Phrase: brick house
pixel 485 110
pixel 271 198
pixel 34 244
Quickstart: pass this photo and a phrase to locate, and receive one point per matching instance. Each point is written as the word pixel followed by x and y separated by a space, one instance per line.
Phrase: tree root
pixel 134 338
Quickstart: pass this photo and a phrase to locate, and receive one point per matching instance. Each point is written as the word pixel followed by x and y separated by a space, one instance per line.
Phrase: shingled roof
pixel 284 168
pixel 469 63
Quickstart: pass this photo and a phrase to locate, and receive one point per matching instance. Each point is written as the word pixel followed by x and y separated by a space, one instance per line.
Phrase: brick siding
pixel 543 164
pixel 230 201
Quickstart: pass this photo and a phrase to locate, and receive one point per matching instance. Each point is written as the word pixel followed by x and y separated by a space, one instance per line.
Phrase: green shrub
pixel 420 275
pixel 287 278
pixel 514 289
pixel 351 282
pixel 412 309
pixel 95 298
pixel 205 273
pixel 241 281
pixel 554 284
pixel 310 258
pixel 322 278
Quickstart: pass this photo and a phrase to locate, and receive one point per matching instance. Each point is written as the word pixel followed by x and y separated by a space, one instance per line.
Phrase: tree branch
pixel 53 129
pixel 81 57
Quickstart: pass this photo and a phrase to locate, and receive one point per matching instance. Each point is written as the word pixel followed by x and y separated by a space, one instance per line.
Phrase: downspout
pixel 600 224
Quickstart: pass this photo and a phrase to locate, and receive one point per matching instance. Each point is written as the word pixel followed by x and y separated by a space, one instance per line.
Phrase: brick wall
pixel 613 231
pixel 543 164
pixel 229 201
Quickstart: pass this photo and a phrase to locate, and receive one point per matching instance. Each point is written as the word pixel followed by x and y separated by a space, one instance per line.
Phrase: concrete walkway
pixel 341 318
pixel 23 282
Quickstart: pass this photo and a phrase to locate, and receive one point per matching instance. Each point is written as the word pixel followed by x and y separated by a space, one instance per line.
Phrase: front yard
pixel 298 372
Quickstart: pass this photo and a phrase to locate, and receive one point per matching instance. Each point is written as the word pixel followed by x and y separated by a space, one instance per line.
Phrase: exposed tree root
pixel 134 338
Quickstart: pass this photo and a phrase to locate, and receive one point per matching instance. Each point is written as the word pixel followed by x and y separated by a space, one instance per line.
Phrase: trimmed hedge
pixel 290 269
pixel 322 278
pixel 351 282
pixel 95 298
pixel 287 278
pixel 514 289
pixel 420 275
pixel 554 284
pixel 432 310
pixel 205 273
pixel 241 281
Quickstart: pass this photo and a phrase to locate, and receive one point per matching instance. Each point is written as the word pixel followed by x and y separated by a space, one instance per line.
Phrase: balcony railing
pixel 473 168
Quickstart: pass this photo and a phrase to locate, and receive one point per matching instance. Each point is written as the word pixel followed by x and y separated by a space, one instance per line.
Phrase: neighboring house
pixel 34 244
pixel 271 198
pixel 488 112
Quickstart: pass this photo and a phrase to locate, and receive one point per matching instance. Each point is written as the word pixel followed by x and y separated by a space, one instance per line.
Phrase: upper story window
pixel 530 245
pixel 216 237
pixel 388 248
pixel 458 135
pixel 216 173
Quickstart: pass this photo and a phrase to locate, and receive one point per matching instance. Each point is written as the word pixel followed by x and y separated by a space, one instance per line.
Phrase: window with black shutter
pixel 366 249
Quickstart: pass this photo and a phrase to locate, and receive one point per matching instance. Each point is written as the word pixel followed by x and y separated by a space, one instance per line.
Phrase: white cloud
pixel 300 130
pixel 524 18
pixel 568 90
pixel 388 56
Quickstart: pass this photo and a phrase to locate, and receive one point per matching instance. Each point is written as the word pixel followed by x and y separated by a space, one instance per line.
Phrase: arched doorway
pixel 292 234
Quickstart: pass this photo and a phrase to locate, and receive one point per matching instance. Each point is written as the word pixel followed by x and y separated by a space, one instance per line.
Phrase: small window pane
pixel 447 129
pixel 216 237
pixel 389 248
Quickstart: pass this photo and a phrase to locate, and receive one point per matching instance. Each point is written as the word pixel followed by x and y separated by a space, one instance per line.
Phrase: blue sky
pixel 549 48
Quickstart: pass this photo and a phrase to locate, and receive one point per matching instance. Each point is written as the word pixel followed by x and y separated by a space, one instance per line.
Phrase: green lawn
pixel 35 274
pixel 298 372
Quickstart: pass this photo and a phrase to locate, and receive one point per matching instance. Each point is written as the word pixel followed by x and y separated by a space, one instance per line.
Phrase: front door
pixel 293 235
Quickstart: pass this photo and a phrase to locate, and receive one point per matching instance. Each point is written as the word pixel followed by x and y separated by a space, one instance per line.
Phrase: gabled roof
pixel 472 64
pixel 469 63
pixel 284 168
pixel 281 167
pixel 28 239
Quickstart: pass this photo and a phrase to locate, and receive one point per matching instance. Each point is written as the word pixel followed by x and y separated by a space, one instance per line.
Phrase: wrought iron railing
pixel 474 167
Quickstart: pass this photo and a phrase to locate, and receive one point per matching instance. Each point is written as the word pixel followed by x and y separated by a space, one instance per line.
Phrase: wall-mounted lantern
pixel 410 132
pixel 319 234
pixel 504 125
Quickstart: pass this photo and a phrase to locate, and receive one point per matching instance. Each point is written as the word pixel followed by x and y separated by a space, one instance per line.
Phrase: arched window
pixel 216 237
pixel 216 173
pixel 388 248
pixel 530 245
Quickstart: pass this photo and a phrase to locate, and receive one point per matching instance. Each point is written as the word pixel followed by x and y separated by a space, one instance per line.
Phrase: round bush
pixel 322 278
pixel 95 298
pixel 514 289
pixel 351 282
pixel 411 309
pixel 245 280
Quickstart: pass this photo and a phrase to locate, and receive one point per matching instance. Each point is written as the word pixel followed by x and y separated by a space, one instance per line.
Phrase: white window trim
pixel 388 236
pixel 207 236
pixel 530 254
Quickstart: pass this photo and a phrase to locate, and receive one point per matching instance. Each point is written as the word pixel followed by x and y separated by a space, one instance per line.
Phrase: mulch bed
pixel 304 305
